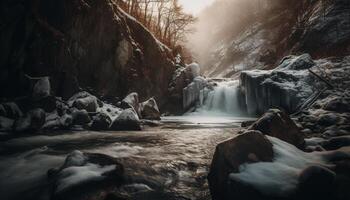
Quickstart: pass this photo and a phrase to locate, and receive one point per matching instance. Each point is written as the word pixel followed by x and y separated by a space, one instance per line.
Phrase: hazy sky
pixel 194 6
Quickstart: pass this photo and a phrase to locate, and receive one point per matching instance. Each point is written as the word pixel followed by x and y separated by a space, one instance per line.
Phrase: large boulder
pixel 316 182
pixel 150 110
pixel 84 101
pixel 249 147
pixel 277 123
pixel 132 100
pixel 41 88
pixel 127 120
pixel 34 120
pixel 84 173
pixel 80 117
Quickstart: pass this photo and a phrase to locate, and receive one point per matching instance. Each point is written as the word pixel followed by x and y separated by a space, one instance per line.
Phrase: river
pixel 171 159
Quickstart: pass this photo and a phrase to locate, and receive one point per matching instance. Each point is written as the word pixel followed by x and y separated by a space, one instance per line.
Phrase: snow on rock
pixel 252 146
pixel 127 120
pixel 192 93
pixel 82 169
pixel 291 171
pixel 84 100
pixel 149 110
pixel 42 88
pixel 287 86
pixel 55 121
pixel 110 110
pixel 132 99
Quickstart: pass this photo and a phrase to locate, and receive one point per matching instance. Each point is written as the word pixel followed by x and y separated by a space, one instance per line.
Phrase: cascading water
pixel 222 100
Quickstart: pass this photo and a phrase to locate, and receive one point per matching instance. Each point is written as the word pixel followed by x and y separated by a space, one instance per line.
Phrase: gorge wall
pixel 271 30
pixel 90 44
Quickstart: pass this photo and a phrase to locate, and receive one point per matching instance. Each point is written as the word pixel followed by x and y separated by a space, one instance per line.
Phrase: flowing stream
pixel 172 160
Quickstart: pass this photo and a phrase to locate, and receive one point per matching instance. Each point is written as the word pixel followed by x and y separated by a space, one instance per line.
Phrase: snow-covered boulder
pixel 249 147
pixel 41 88
pixel 149 110
pixel 132 100
pixel 278 124
pixel 127 120
pixel 11 110
pixel 287 86
pixel 81 171
pixel 6 123
pixel 32 121
pixel 192 93
pixel 84 100
pixel 101 122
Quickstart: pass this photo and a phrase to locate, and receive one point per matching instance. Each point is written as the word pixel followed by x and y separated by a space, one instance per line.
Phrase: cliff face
pixel 320 28
pixel 80 43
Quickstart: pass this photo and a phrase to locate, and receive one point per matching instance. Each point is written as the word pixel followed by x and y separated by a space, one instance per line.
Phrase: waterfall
pixel 223 99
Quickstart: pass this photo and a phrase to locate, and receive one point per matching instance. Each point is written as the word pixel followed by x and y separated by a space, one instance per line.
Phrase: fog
pixel 222 21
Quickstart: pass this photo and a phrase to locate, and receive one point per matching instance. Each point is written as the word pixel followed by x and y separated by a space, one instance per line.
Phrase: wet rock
pixel 249 147
pixel 127 120
pixel 149 110
pixel 83 174
pixel 133 101
pixel 101 122
pixel 338 104
pixel 316 182
pixel 336 142
pixel 84 100
pixel 277 123
pixel 34 120
pixel 80 117
pixel 328 119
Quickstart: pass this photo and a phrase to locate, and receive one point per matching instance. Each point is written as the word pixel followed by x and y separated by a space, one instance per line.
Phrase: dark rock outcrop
pixel 126 121
pixel 249 147
pixel 150 110
pixel 278 124
pixel 91 44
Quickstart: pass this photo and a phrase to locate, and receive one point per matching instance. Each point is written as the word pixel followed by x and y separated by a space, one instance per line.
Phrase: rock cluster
pixel 270 161
pixel 82 110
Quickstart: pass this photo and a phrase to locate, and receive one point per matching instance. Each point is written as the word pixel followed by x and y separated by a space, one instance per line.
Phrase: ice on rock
pixel 287 86
pixel 192 93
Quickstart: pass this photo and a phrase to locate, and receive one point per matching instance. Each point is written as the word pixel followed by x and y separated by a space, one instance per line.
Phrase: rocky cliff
pixel 278 29
pixel 89 44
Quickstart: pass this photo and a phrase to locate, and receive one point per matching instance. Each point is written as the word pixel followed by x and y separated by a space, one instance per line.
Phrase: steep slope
pixel 277 29
pixel 80 43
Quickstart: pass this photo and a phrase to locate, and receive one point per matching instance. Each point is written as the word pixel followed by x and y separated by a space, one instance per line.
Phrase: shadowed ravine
pixel 172 160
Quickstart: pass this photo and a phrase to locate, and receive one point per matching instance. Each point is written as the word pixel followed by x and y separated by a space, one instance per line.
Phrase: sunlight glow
pixel 195 6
